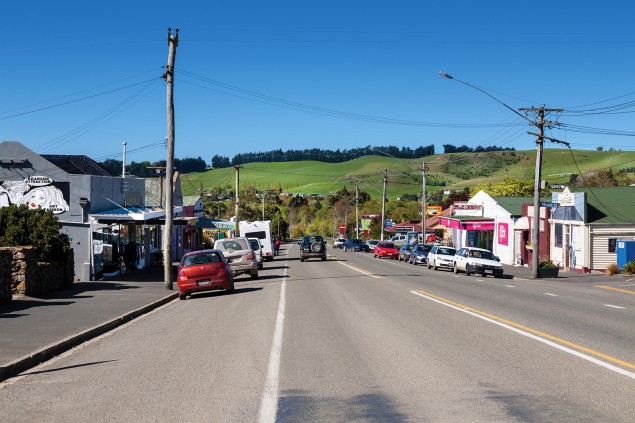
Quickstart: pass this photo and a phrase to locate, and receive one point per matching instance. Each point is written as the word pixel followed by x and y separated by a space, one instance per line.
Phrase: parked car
pixel 372 243
pixel 312 246
pixel 477 260
pixel 386 249
pixel 239 255
pixel 441 256
pixel 257 247
pixel 355 244
pixel 399 240
pixel 204 270
pixel 404 252
pixel 337 243
pixel 420 254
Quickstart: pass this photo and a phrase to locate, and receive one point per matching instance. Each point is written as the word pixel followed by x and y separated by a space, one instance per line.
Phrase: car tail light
pixel 251 256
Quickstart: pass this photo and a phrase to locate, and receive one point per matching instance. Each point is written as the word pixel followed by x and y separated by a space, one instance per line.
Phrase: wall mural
pixel 35 192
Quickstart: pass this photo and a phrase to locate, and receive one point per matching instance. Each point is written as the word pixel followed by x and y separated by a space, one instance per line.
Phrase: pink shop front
pixel 470 231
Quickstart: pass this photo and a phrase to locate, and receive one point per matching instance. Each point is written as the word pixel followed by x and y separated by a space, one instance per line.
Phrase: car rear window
pixel 386 245
pixel 202 258
pixel 231 244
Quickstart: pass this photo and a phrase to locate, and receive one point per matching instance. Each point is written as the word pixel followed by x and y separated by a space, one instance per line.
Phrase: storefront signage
pixel 467 206
pixel 35 192
pixel 433 210
pixel 38 181
pixel 503 234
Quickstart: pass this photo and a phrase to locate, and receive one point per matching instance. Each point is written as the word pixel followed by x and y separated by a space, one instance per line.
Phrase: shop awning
pixel 131 214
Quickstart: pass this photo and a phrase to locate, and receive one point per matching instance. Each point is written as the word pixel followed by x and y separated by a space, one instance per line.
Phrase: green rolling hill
pixel 445 171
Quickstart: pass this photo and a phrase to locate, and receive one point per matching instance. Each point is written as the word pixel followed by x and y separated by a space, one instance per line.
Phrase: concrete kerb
pixel 31 360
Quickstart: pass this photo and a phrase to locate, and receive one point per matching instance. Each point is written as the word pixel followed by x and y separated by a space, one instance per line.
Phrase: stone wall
pixel 5 276
pixel 33 278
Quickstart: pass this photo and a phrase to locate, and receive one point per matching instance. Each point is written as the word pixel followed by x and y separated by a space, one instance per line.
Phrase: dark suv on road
pixel 312 246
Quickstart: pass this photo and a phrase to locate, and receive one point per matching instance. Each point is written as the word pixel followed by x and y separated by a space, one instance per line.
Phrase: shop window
pixel 557 234
pixel 612 244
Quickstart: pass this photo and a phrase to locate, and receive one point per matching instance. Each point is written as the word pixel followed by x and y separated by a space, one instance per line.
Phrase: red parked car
pixel 204 270
pixel 386 249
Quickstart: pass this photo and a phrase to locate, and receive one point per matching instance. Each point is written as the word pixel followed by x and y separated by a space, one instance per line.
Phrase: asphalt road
pixel 353 339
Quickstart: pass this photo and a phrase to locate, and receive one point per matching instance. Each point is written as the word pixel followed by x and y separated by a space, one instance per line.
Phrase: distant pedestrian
pixel 130 255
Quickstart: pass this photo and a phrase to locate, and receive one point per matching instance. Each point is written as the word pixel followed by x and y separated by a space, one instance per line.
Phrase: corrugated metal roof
pixel 609 205
pixel 78 165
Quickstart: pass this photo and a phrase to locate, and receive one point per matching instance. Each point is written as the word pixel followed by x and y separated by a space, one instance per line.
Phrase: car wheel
pixel 316 247
pixel 254 275
pixel 231 288
pixel 261 266
pixel 467 270
pixel 456 269
pixel 324 258
pixel 435 267
pixel 182 296
pixel 428 265
pixel 301 259
pixel 484 275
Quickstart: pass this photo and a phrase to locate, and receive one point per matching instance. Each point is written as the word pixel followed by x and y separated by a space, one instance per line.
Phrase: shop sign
pixel 503 234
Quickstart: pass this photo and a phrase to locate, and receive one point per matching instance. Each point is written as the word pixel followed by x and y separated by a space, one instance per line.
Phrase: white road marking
pixel 550 294
pixel 510 286
pixel 269 401
pixel 614 306
pixel 594 360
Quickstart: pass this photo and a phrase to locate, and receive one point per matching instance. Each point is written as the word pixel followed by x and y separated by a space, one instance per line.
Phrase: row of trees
pixel 329 156
pixel 148 169
pixel 449 148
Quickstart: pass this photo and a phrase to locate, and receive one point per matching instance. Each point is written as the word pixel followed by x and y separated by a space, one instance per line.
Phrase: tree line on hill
pixel 339 156
pixel 190 165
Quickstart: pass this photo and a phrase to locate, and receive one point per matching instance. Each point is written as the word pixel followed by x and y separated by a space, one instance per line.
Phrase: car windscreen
pixel 482 255
pixel 446 251
pixel 424 248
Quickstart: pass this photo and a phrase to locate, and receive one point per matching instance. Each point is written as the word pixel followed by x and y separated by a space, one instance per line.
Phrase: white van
pixel 261 230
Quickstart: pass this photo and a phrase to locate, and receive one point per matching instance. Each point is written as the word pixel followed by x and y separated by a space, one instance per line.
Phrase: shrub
pixel 629 268
pixel 20 226
pixel 612 269
pixel 546 263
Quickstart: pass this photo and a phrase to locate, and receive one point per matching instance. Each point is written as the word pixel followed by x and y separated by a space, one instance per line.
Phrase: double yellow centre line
pixel 553 341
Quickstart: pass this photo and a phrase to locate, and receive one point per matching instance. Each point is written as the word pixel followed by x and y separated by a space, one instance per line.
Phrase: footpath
pixel 34 330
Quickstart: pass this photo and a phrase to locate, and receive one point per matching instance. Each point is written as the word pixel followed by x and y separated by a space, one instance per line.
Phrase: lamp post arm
pixel 445 75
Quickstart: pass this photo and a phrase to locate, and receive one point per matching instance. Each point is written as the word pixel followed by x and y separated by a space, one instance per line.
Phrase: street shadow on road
pixel 67 367
pixel 295 407
pixel 275 267
pixel 222 293
pixel 24 304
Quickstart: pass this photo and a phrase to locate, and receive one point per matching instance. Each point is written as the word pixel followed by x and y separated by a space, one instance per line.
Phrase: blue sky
pixel 81 77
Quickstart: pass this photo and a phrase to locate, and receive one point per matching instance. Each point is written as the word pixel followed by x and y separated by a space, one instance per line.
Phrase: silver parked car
pixel 239 255
pixel 441 256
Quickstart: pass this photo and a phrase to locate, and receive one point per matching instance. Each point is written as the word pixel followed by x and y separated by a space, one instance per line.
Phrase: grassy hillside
pixel 445 171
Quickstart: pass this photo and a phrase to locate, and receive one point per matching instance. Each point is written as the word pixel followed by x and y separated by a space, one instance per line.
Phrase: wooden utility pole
pixel 383 205
pixel 236 229
pixel 423 202
pixel 535 227
pixel 173 42
pixel 356 212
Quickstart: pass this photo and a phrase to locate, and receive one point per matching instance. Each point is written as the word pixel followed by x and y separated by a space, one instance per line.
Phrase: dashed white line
pixel 550 294
pixel 614 306
pixel 510 286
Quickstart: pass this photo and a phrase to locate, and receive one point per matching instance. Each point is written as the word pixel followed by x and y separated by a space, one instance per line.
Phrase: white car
pixel 337 243
pixel 477 260
pixel 441 256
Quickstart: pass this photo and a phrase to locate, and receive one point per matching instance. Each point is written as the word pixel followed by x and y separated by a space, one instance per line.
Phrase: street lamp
pixel 535 230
